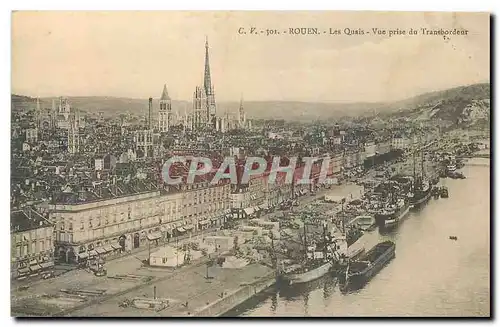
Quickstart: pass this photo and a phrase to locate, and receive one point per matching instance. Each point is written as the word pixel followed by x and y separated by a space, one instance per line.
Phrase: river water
pixel 431 274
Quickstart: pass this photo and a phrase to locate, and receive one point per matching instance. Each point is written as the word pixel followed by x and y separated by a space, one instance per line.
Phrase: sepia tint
pixel 251 164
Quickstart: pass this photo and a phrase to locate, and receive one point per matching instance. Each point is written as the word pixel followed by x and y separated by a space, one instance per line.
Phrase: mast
pixel 343 217
pixel 305 240
pixel 422 159
pixel 414 161
pixel 324 241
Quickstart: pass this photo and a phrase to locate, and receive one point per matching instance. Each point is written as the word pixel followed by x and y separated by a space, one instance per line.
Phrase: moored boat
pixel 444 192
pixel 421 194
pixel 360 272
pixel 401 211
pixel 310 271
pixel 366 222
pixel 319 258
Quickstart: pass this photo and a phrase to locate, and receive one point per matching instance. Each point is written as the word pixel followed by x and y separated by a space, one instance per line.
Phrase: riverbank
pixel 431 276
pixel 190 293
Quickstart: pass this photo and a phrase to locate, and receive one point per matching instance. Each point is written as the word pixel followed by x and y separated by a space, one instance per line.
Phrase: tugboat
pixel 360 272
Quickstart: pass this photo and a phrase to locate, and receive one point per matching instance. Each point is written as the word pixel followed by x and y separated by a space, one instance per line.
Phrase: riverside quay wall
pixel 236 297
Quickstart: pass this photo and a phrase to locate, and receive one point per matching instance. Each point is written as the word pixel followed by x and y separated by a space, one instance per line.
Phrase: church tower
pixel 165 112
pixel 241 115
pixel 38 113
pixel 200 117
pixel 209 89
pixel 74 133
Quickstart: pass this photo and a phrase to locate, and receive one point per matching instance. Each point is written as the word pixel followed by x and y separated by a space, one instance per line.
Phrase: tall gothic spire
pixel 164 94
pixel 207 82
pixel 241 113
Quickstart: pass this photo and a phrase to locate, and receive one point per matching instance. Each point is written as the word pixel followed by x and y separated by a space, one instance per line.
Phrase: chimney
pixel 150 109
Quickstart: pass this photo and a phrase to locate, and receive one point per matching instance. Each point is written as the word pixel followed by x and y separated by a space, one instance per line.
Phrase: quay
pixel 195 290
pixel 189 293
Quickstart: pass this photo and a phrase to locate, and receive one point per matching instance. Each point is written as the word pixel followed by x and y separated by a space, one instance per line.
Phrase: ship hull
pixel 418 202
pixel 359 279
pixel 308 276
pixel 393 222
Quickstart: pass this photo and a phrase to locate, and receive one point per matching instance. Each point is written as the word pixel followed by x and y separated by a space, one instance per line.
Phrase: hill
pixel 465 105
pixel 455 104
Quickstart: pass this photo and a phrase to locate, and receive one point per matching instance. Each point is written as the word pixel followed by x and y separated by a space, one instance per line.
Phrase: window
pixel 18 251
pixel 82 226
pixel 42 246
pixel 61 226
pixel 33 247
pixel 164 260
pixel 70 227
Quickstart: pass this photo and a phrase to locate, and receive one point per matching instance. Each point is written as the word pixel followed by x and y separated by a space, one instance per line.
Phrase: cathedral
pixel 204 107
pixel 203 116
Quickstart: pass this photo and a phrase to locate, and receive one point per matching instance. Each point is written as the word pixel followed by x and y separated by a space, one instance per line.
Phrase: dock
pixel 189 293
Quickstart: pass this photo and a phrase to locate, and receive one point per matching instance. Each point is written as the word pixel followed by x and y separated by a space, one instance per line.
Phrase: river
pixel 431 275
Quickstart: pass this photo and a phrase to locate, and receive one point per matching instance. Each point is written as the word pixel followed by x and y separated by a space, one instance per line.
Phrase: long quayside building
pixel 109 224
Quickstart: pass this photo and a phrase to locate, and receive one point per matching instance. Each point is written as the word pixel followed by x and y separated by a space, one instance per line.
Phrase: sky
pixel 133 54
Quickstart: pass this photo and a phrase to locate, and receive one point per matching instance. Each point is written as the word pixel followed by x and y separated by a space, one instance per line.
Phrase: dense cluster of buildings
pixel 86 187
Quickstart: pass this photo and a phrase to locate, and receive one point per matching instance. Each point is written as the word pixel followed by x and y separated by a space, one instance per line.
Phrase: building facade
pixel 101 228
pixel 144 143
pixel 400 142
pixel 204 204
pixel 200 109
pixel 32 246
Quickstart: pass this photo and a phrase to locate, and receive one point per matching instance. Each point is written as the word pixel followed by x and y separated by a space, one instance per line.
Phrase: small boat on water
pixel 454 238
pixel 456 175
pixel 444 192
pixel 360 272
